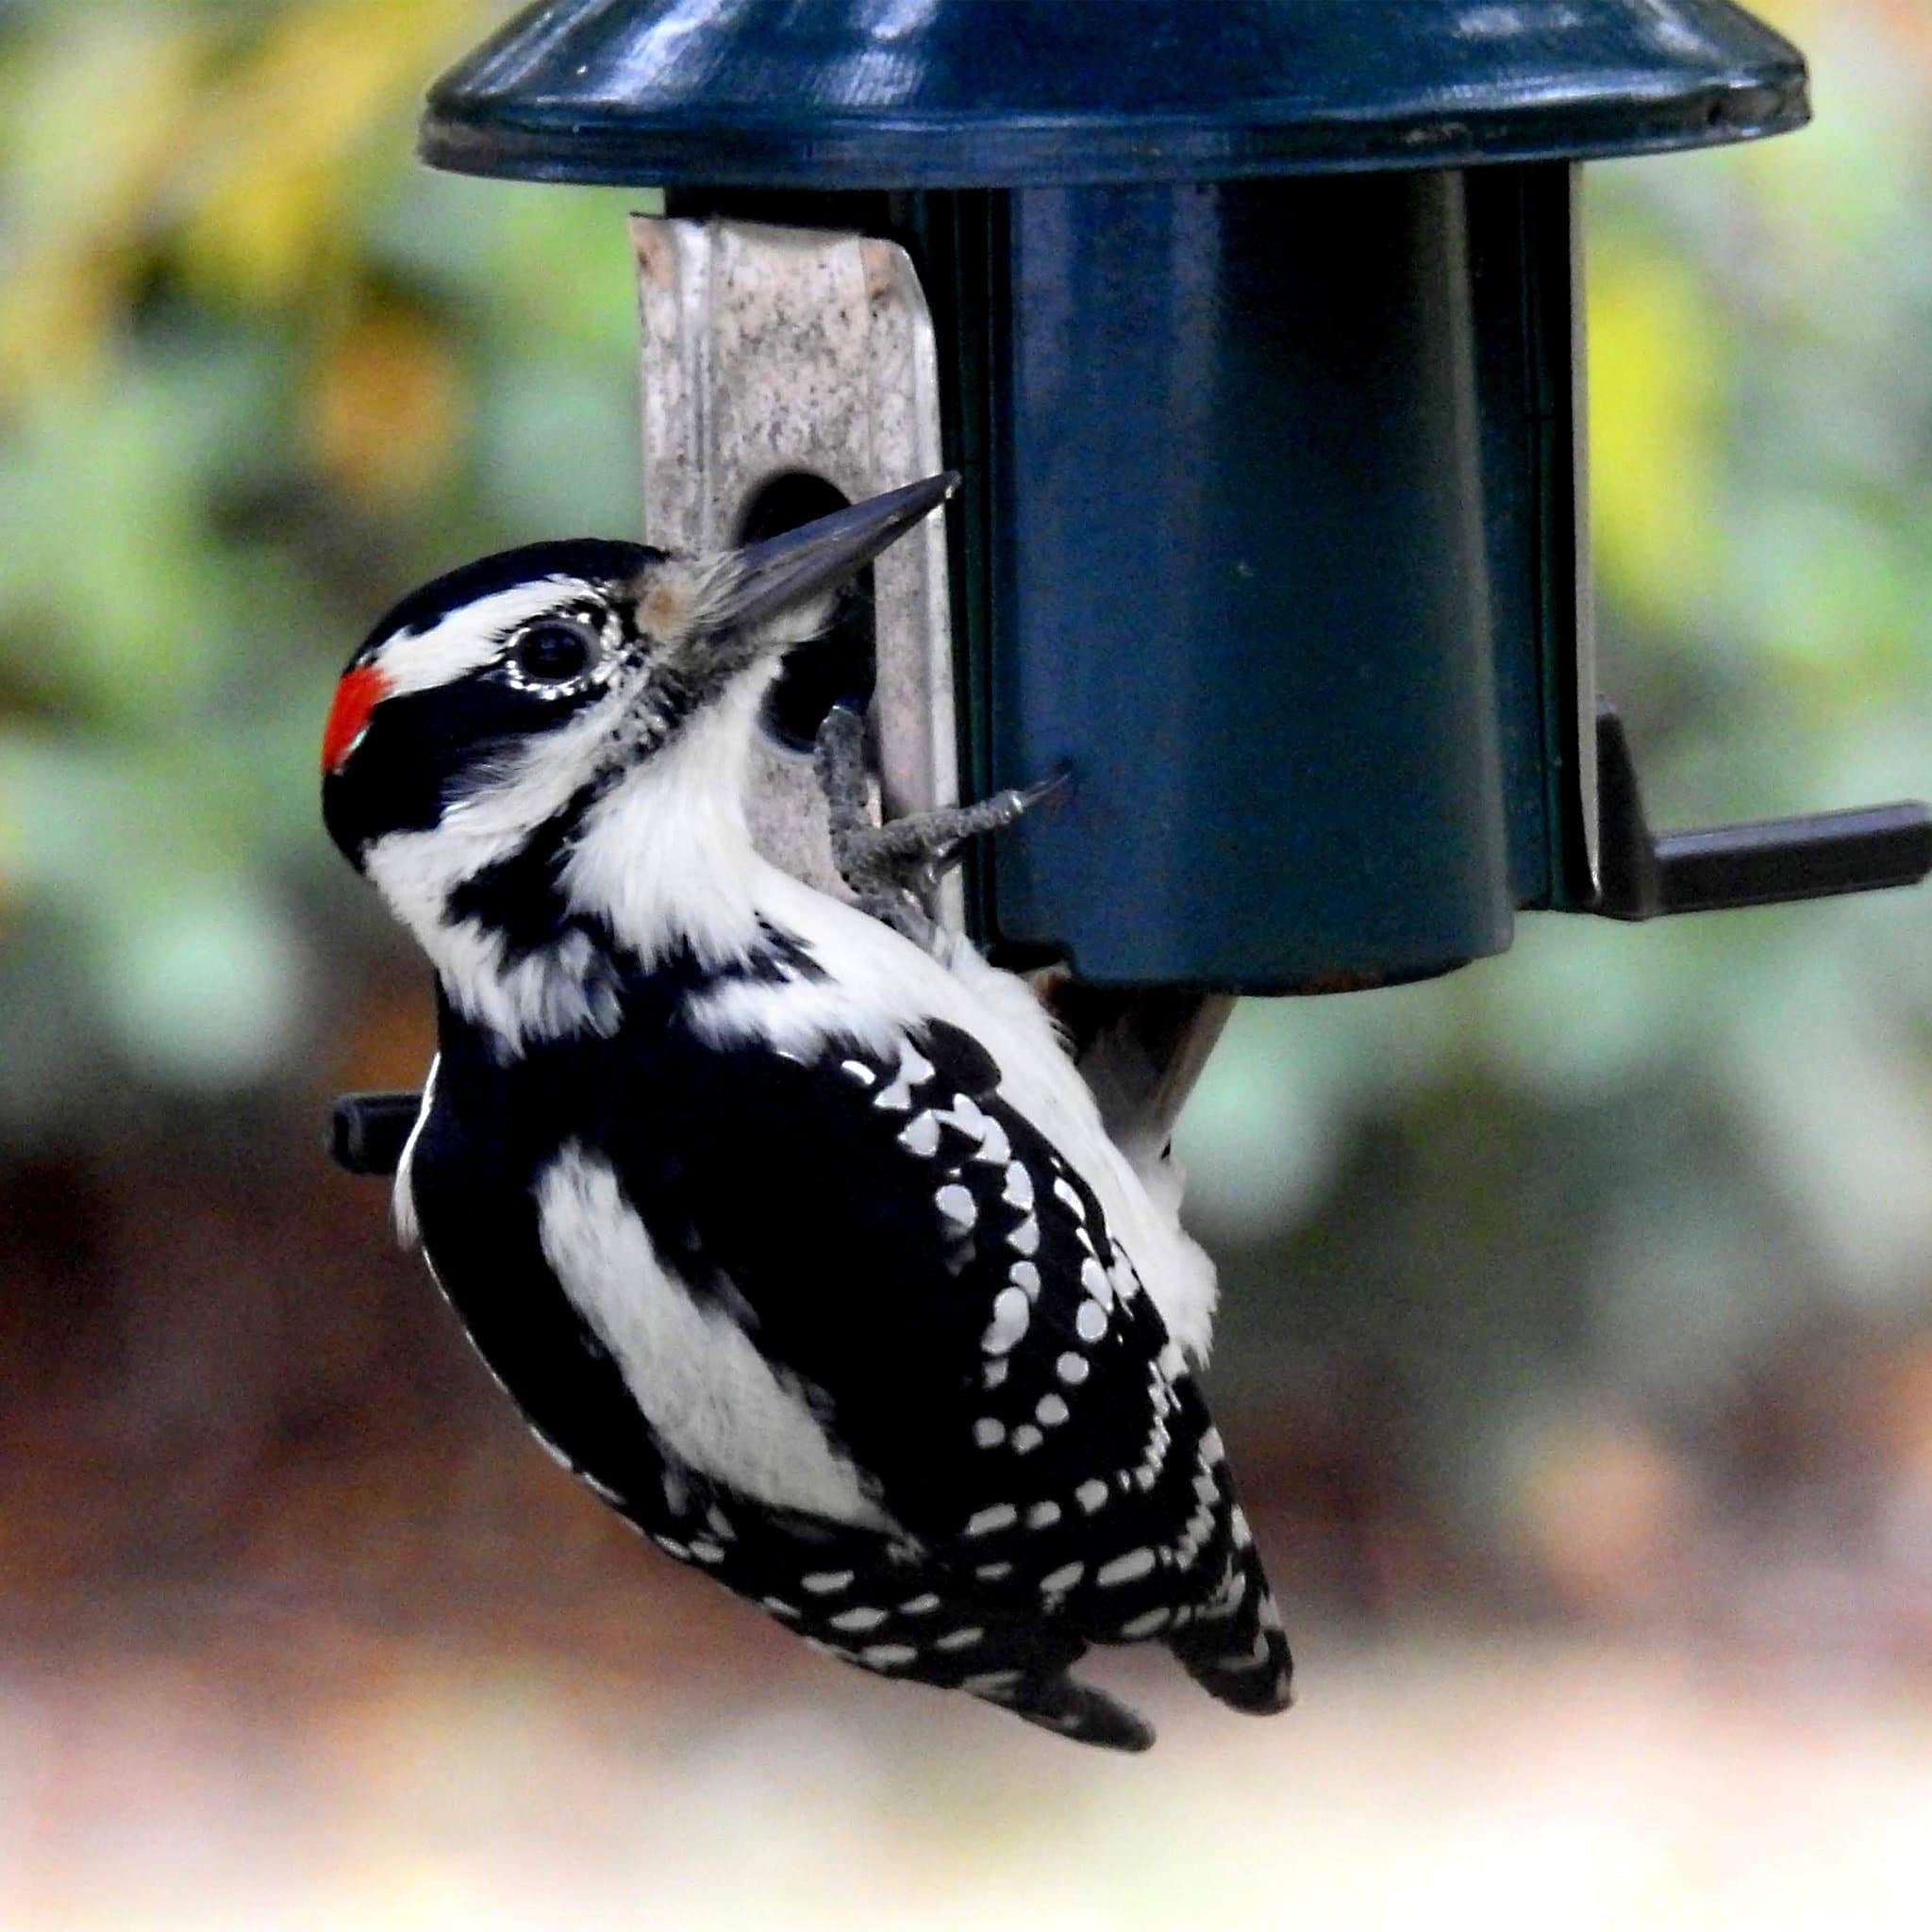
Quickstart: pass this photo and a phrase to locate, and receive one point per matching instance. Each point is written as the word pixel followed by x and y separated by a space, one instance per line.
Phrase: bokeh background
pixel 1578 1332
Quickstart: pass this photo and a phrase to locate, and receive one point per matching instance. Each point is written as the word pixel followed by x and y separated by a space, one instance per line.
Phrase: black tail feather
pixel 1239 1652
pixel 1070 1709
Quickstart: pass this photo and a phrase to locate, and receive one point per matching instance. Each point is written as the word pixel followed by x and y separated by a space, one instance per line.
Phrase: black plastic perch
pixel 1649 874
pixel 367 1132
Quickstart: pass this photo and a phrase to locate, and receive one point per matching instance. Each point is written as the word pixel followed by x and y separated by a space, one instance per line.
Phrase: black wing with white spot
pixel 938 1286
pixel 926 1265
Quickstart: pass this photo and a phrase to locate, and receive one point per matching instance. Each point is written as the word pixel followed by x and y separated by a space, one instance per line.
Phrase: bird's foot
pixel 893 869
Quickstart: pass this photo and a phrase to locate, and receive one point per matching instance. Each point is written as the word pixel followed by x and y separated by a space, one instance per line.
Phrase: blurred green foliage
pixel 259 373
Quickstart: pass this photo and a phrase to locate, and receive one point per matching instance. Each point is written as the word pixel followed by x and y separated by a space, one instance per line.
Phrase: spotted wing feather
pixel 941 1289
pixel 926 1262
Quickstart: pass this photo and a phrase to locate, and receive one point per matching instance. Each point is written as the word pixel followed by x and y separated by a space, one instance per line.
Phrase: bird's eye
pixel 556 650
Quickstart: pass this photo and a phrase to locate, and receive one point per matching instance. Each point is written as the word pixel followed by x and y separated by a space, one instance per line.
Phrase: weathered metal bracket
pixel 774 351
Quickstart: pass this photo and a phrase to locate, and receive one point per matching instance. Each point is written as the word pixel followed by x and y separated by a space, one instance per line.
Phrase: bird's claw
pixel 894 869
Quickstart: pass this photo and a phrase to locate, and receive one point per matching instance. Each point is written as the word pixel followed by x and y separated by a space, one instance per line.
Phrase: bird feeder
pixel 1256 331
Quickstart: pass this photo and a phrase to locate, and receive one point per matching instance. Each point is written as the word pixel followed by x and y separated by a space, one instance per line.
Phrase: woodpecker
pixel 787 1222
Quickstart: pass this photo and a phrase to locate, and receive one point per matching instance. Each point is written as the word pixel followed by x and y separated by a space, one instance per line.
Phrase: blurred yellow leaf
pixel 99 109
pixel 57 319
pixel 1790 17
pixel 271 206
pixel 387 405
pixel 1656 364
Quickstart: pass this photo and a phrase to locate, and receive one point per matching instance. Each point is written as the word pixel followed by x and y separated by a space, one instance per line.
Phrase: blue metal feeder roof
pixel 958 93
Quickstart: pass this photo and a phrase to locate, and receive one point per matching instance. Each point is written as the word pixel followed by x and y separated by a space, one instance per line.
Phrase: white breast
pixel 701 1383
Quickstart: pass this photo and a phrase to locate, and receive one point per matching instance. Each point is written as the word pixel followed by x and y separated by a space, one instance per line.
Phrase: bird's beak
pixel 784 572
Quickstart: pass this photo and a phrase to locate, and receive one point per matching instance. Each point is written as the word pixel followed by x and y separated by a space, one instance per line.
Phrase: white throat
pixel 665 858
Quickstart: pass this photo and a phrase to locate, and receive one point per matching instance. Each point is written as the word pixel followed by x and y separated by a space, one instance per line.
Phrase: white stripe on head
pixel 507 796
pixel 470 637
pixel 553 990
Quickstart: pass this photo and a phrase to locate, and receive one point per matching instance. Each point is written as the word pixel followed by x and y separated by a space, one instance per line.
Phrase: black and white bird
pixel 798 1239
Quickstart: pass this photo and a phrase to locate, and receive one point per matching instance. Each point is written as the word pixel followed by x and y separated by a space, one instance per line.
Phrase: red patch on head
pixel 361 690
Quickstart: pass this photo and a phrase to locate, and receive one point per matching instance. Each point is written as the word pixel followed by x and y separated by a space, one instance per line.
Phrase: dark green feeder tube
pixel 1239 583
pixel 1257 324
